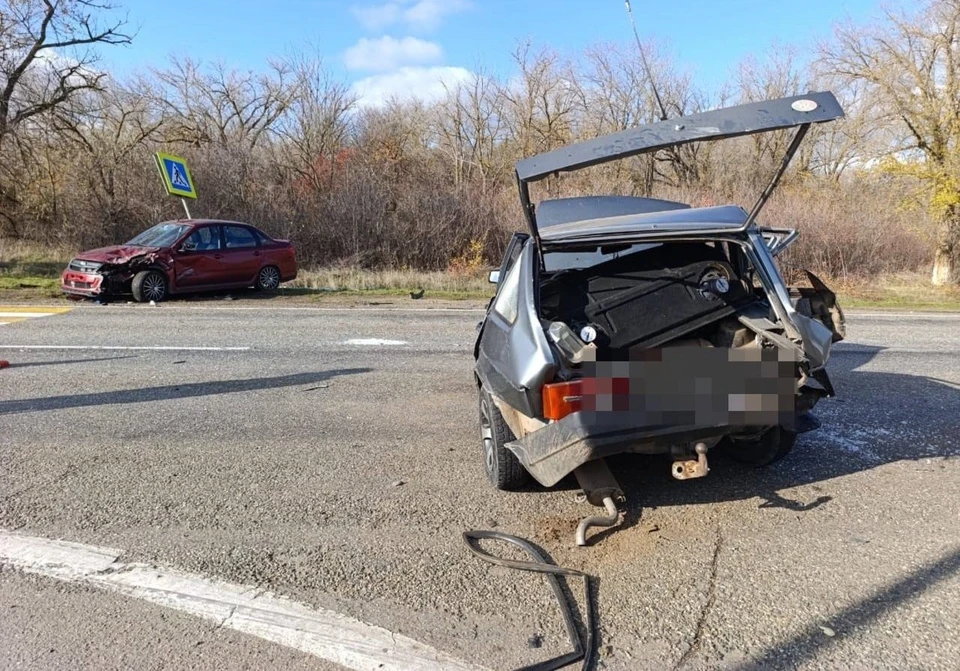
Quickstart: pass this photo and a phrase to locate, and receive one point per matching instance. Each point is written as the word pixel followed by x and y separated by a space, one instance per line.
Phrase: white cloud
pixel 418 15
pixel 423 83
pixel 377 17
pixel 427 14
pixel 388 53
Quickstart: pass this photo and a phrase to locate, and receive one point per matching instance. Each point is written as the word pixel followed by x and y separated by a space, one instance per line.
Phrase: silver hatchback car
pixel 627 324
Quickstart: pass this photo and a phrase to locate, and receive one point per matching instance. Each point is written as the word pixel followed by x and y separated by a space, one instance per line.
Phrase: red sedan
pixel 183 256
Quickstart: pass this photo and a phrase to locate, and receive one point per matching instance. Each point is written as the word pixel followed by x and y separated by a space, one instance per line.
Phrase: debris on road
pixel 583 648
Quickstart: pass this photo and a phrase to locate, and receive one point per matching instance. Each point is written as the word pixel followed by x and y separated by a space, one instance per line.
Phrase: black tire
pixel 770 447
pixel 268 279
pixel 149 285
pixel 501 465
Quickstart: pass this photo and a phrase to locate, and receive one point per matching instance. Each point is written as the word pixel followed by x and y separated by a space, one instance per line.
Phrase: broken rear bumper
pixel 554 451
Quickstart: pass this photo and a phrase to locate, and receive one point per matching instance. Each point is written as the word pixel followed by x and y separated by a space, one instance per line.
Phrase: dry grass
pixel 395 282
pixel 30 271
pixel 911 291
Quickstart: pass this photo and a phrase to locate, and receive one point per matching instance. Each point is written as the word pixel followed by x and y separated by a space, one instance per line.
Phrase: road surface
pixel 330 458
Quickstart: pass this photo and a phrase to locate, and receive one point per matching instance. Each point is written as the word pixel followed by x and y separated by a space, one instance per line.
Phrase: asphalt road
pixel 342 475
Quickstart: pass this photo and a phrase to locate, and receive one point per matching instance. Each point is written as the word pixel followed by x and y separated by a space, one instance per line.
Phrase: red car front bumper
pixel 81 284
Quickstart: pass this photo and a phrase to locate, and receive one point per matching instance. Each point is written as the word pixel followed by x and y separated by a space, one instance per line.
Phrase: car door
pixel 241 254
pixel 513 356
pixel 198 261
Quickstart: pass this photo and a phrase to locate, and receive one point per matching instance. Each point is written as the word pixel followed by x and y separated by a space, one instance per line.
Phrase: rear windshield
pixel 161 235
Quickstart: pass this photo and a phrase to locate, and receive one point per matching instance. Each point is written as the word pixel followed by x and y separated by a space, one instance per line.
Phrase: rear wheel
pixel 769 447
pixel 268 278
pixel 502 466
pixel 149 285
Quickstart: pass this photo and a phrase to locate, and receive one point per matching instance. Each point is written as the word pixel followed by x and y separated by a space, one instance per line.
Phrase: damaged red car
pixel 182 256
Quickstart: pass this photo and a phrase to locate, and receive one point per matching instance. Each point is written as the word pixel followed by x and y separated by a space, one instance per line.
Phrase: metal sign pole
pixel 185 208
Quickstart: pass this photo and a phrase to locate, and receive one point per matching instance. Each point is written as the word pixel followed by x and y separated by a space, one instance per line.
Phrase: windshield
pixel 161 235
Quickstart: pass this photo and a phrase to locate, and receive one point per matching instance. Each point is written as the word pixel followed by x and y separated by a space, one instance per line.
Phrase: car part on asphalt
pixel 600 488
pixel 583 648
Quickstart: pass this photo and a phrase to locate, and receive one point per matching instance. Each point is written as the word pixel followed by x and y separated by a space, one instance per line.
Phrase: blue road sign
pixel 176 176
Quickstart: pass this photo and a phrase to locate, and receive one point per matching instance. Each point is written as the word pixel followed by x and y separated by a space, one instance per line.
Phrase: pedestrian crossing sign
pixel 176 175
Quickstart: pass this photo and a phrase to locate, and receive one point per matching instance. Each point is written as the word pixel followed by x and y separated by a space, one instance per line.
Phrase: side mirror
pixel 187 247
pixel 494 277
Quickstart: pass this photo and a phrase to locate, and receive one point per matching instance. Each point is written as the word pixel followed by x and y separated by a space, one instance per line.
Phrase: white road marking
pixel 373 341
pixel 26 315
pixel 172 348
pixel 322 633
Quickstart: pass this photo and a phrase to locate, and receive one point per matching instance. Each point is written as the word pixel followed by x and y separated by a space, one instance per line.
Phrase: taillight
pixel 562 398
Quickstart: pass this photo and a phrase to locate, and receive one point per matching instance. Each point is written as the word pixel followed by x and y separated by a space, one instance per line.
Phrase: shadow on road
pixel 70 361
pixel 168 392
pixel 793 652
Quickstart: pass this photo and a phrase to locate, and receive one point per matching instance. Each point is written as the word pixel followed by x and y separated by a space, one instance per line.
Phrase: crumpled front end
pixel 88 278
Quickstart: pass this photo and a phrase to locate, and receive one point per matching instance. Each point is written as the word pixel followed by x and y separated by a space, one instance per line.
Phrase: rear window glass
pixel 238 237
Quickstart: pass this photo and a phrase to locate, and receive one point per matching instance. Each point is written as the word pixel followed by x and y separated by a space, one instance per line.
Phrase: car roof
pixel 558 211
pixel 198 222
pixel 610 224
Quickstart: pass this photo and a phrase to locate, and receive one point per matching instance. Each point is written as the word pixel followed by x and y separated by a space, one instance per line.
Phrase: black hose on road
pixel 582 649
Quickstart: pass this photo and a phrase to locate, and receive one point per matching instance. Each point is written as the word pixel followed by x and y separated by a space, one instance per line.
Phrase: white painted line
pixel 27 315
pixel 346 308
pixel 142 347
pixel 322 633
pixel 373 341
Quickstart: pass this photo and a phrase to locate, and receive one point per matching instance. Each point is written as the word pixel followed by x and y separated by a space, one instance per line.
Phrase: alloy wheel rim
pixel 269 278
pixel 486 433
pixel 153 287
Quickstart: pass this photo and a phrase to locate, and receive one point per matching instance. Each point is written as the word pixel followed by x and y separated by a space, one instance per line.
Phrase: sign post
pixel 176 177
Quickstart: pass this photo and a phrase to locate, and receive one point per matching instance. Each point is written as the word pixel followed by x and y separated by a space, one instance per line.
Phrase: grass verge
pixel 27 275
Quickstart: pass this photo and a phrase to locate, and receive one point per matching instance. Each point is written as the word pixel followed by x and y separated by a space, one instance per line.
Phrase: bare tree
pixel 47 56
pixel 223 106
pixel 909 67
pixel 55 36
pixel 316 126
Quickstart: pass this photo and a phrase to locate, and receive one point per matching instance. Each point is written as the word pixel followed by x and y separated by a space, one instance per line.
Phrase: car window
pixel 161 235
pixel 506 302
pixel 262 237
pixel 238 237
pixel 203 239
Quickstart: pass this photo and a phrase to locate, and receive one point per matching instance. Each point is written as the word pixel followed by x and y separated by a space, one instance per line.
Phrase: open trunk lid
pixel 792 112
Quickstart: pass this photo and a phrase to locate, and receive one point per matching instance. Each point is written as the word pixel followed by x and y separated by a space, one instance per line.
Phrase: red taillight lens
pixel 562 398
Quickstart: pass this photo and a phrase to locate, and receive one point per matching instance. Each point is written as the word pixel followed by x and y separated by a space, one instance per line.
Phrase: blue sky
pixel 399 46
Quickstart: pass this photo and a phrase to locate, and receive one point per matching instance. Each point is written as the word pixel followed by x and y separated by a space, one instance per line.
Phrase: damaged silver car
pixel 628 324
